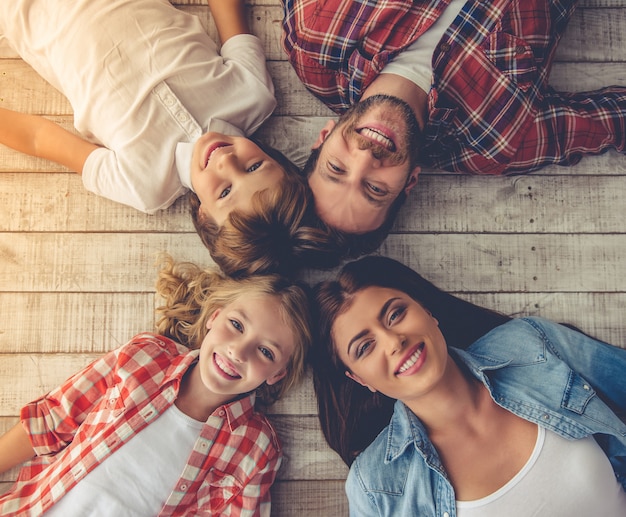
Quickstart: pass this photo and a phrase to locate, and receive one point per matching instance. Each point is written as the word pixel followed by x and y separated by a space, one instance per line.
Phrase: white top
pixel 415 62
pixel 145 81
pixel 562 478
pixel 137 479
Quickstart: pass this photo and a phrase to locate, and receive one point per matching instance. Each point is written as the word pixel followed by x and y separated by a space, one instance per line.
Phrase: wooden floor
pixel 77 274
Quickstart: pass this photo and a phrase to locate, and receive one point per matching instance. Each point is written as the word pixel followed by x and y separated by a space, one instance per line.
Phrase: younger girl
pixel 161 112
pixel 521 423
pixel 166 424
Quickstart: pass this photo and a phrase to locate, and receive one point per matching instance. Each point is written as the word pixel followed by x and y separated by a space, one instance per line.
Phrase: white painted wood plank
pixel 440 203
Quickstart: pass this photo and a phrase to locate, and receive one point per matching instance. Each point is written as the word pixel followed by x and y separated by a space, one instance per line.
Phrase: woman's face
pixel 390 343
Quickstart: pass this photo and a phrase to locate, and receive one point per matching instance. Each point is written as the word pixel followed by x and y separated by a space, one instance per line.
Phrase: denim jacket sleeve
pixel 601 364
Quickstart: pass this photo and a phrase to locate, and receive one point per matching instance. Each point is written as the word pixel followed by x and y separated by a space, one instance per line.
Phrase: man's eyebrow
pixel 380 317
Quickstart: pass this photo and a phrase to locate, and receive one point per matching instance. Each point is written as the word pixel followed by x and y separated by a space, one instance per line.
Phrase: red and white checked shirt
pixel 490 109
pixel 78 425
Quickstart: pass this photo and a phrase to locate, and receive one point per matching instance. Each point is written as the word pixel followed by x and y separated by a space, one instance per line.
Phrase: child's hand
pixel 230 18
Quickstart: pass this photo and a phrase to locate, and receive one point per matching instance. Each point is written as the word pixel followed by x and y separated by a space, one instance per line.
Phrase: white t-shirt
pixel 142 77
pixel 138 478
pixel 415 62
pixel 562 478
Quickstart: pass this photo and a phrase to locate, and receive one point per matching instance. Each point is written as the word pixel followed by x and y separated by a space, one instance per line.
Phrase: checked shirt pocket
pixel 512 56
pixel 217 490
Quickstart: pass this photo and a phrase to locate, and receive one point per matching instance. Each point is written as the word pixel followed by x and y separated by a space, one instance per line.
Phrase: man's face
pixel 367 159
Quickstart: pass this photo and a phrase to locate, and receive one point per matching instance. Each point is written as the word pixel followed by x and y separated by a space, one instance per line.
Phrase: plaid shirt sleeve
pixel 52 421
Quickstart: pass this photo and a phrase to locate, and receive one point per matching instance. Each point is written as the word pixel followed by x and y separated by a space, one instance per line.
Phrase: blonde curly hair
pixel 191 294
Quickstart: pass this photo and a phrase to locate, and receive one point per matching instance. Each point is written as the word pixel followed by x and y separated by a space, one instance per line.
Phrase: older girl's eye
pixel 363 348
pixel 225 192
pixel 254 166
pixel 267 353
pixel 236 325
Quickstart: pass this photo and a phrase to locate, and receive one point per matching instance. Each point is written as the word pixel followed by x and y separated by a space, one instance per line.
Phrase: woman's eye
pixel 267 353
pixel 363 348
pixel 225 192
pixel 396 313
pixel 254 166
pixel 238 326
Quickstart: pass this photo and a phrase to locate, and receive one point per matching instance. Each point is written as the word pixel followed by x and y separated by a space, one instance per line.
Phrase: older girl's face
pixel 247 344
pixel 390 343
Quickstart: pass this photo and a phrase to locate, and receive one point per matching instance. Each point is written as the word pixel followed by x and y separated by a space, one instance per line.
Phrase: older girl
pixel 520 423
pixel 167 424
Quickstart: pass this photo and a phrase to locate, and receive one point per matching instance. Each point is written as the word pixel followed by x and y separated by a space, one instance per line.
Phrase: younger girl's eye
pixel 238 326
pixel 254 166
pixel 363 348
pixel 225 192
pixel 267 353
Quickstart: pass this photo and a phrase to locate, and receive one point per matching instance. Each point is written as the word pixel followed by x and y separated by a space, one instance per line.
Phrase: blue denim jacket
pixel 541 371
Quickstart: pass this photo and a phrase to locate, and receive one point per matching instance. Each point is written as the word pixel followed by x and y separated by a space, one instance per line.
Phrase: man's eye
pixel 254 166
pixel 225 192
pixel 376 190
pixel 335 168
pixel 236 325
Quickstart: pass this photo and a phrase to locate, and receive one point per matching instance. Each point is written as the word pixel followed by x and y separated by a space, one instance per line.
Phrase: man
pixel 473 77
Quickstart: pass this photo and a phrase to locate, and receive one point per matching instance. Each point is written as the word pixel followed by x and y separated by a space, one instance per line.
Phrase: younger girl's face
pixel 391 344
pixel 227 171
pixel 247 344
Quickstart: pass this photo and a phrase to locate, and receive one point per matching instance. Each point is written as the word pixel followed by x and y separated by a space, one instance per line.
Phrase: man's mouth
pixel 225 367
pixel 378 137
pixel 411 360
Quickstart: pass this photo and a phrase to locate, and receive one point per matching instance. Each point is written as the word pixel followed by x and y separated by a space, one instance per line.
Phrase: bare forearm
pixel 38 136
pixel 15 448
pixel 230 18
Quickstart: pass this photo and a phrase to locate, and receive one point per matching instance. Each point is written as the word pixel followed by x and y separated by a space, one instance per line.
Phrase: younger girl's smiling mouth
pixel 211 149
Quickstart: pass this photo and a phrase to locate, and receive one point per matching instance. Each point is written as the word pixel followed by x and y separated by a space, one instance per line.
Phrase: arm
pixel 15 448
pixel 40 137
pixel 229 17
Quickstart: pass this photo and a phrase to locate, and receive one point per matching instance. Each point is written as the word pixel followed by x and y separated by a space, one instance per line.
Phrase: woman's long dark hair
pixel 351 416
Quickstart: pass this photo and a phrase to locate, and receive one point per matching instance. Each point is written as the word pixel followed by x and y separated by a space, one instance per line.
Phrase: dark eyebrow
pixel 381 315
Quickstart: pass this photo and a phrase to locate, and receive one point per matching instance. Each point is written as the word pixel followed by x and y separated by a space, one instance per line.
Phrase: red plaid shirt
pixel 490 108
pixel 78 425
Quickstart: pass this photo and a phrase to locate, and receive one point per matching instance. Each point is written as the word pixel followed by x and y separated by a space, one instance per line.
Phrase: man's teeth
pixel 381 139
pixel 411 361
pixel 224 367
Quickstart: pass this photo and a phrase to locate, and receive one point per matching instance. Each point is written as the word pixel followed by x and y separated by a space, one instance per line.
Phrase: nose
pixel 228 166
pixel 237 351
pixel 395 342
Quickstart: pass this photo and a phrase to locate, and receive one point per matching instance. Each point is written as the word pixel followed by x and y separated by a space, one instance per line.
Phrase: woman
pixel 483 431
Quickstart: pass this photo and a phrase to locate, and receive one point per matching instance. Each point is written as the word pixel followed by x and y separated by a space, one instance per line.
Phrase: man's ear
pixel 328 127
pixel 275 378
pixel 356 378
pixel 211 319
pixel 412 180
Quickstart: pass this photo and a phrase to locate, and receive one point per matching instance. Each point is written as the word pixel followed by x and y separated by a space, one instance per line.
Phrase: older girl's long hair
pixel 191 295
pixel 350 415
